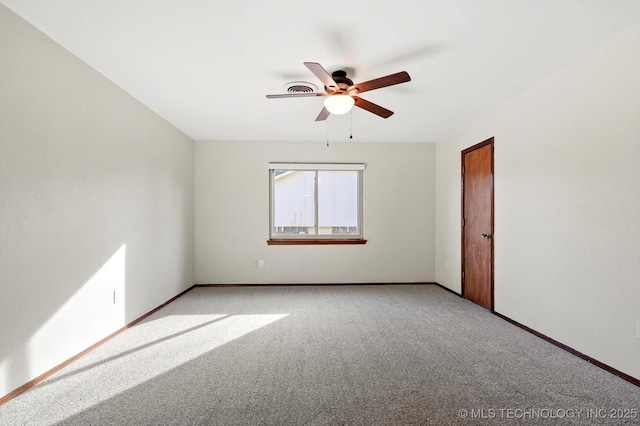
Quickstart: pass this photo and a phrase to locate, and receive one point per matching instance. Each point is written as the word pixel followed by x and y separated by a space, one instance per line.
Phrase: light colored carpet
pixel 317 355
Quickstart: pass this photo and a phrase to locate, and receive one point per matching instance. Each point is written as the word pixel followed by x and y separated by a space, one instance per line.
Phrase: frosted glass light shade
pixel 339 104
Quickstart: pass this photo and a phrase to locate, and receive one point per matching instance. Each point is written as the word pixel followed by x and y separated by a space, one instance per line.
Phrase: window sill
pixel 305 242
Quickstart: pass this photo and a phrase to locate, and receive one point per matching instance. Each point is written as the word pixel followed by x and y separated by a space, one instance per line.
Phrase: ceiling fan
pixel 342 94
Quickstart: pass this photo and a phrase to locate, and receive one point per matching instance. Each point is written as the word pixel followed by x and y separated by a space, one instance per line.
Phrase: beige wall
pixel 232 215
pixel 567 204
pixel 97 196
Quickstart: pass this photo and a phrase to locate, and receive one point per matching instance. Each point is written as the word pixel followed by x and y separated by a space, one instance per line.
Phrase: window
pixel 315 203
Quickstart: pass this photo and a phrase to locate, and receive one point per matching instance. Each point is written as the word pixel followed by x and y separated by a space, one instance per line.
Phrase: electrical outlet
pixel 447 266
pixel 255 263
pixel 260 263
pixel 116 299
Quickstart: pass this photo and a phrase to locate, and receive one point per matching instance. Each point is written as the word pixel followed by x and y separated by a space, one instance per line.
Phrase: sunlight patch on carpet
pixel 161 345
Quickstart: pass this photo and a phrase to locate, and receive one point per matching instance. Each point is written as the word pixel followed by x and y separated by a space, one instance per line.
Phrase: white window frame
pixel 317 167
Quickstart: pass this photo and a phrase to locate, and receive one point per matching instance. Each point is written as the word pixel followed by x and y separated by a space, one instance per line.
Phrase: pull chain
pixel 351 124
pixel 327 132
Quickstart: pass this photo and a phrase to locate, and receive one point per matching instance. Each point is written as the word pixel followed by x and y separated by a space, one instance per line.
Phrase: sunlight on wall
pixel 143 353
pixel 86 317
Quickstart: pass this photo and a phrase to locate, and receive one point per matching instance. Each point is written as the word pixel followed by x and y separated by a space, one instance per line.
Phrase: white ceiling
pixel 206 66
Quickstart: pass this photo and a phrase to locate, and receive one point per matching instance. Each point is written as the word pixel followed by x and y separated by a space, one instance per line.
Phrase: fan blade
pixel 323 115
pixel 389 80
pixel 371 107
pixel 295 95
pixel 323 75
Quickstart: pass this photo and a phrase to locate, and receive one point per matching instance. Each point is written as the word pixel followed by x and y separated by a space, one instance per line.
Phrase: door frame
pixel 482 144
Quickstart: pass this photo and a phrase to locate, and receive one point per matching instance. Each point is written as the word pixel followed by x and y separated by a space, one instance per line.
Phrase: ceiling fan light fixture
pixel 339 104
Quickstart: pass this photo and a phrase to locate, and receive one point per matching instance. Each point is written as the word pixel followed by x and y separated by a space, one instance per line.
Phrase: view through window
pixel 316 200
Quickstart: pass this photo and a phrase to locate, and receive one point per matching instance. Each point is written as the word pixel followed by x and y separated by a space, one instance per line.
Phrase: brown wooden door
pixel 477 223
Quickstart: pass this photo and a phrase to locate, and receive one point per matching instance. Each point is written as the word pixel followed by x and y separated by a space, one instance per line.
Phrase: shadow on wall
pixel 96 198
pixel 60 312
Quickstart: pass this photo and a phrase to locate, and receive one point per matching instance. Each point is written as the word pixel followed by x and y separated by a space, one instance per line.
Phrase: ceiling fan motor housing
pixel 340 77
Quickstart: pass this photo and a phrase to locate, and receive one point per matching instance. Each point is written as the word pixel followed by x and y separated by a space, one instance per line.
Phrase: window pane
pixel 294 202
pixel 338 202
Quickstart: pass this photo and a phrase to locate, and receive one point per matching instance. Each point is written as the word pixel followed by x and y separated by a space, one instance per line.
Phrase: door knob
pixel 486 235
